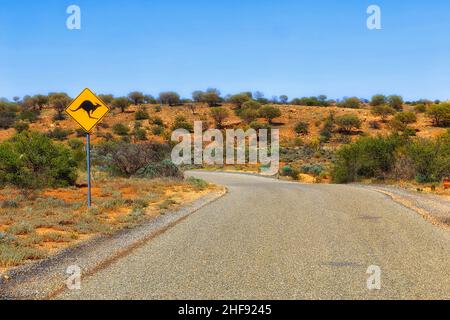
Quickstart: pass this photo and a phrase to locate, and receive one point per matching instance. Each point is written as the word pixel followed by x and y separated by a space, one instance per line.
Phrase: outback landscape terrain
pixel 384 140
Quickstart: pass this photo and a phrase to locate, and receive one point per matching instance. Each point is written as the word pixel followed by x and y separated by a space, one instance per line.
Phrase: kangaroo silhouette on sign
pixel 89 108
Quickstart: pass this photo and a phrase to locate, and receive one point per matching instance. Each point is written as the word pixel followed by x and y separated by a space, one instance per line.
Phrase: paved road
pixel 268 239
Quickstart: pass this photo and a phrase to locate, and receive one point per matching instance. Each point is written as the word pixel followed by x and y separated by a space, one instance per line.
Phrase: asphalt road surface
pixel 268 239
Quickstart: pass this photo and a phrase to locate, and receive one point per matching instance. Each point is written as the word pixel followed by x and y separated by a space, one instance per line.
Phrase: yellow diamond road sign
pixel 87 110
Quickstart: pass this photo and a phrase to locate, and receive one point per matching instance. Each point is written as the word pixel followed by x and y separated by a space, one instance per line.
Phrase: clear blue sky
pixel 292 47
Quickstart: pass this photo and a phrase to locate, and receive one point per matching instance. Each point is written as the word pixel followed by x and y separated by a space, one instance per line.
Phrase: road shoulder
pixel 46 278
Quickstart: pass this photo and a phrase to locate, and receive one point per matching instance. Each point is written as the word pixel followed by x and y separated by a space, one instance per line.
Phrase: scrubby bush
pixel 352 103
pixel 440 114
pixel 366 158
pixel 219 115
pixel 121 129
pixel 59 134
pixel 157 121
pixel 31 160
pixel 239 99
pixel 21 126
pixel 181 123
pixel 158 130
pixel 395 102
pixel 420 108
pixel 141 114
pixel 140 134
pixel 378 100
pixel 302 128
pixel 269 113
pixel 428 160
pixel 163 169
pixel 8 115
pixel 383 111
pixel 347 123
pixel 288 171
pixel 248 115
pixel 125 159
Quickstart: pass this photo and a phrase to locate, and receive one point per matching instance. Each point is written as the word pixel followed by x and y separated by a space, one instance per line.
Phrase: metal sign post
pixel 88 159
pixel 88 110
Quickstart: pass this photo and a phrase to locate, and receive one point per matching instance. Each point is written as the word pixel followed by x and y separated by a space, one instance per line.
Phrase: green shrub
pixel 420 108
pixel 141 114
pixel 347 123
pixel 157 121
pixel 8 115
pixel 288 171
pixel 31 161
pixel 269 113
pixel 121 129
pixel 199 184
pixel 314 169
pixel 161 169
pixel 140 134
pixel 302 128
pixel 21 126
pixel 59 134
pixel 366 158
pixel 126 159
pixel 440 114
pixel 158 130
pixel 29 115
pixel 181 123
pixel 352 103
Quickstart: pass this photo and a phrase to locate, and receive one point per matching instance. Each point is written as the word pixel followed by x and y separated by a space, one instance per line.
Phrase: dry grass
pixel 40 224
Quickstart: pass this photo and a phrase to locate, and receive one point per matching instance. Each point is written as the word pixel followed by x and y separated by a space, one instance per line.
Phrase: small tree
pixel 352 103
pixel 383 111
pixel 170 98
pixel 59 102
pixel 269 113
pixel 121 103
pixel 396 102
pixel 121 129
pixel 347 123
pixel 239 99
pixel 136 97
pixel 219 115
pixel 106 98
pixel 284 99
pixel 378 100
pixel 440 114
pixel 249 115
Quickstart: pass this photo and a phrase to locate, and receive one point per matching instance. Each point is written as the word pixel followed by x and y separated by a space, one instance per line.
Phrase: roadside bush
pixel 163 169
pixel 125 159
pixel 121 129
pixel 31 160
pixel 368 157
pixel 314 169
pixel 288 171
pixel 29 115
